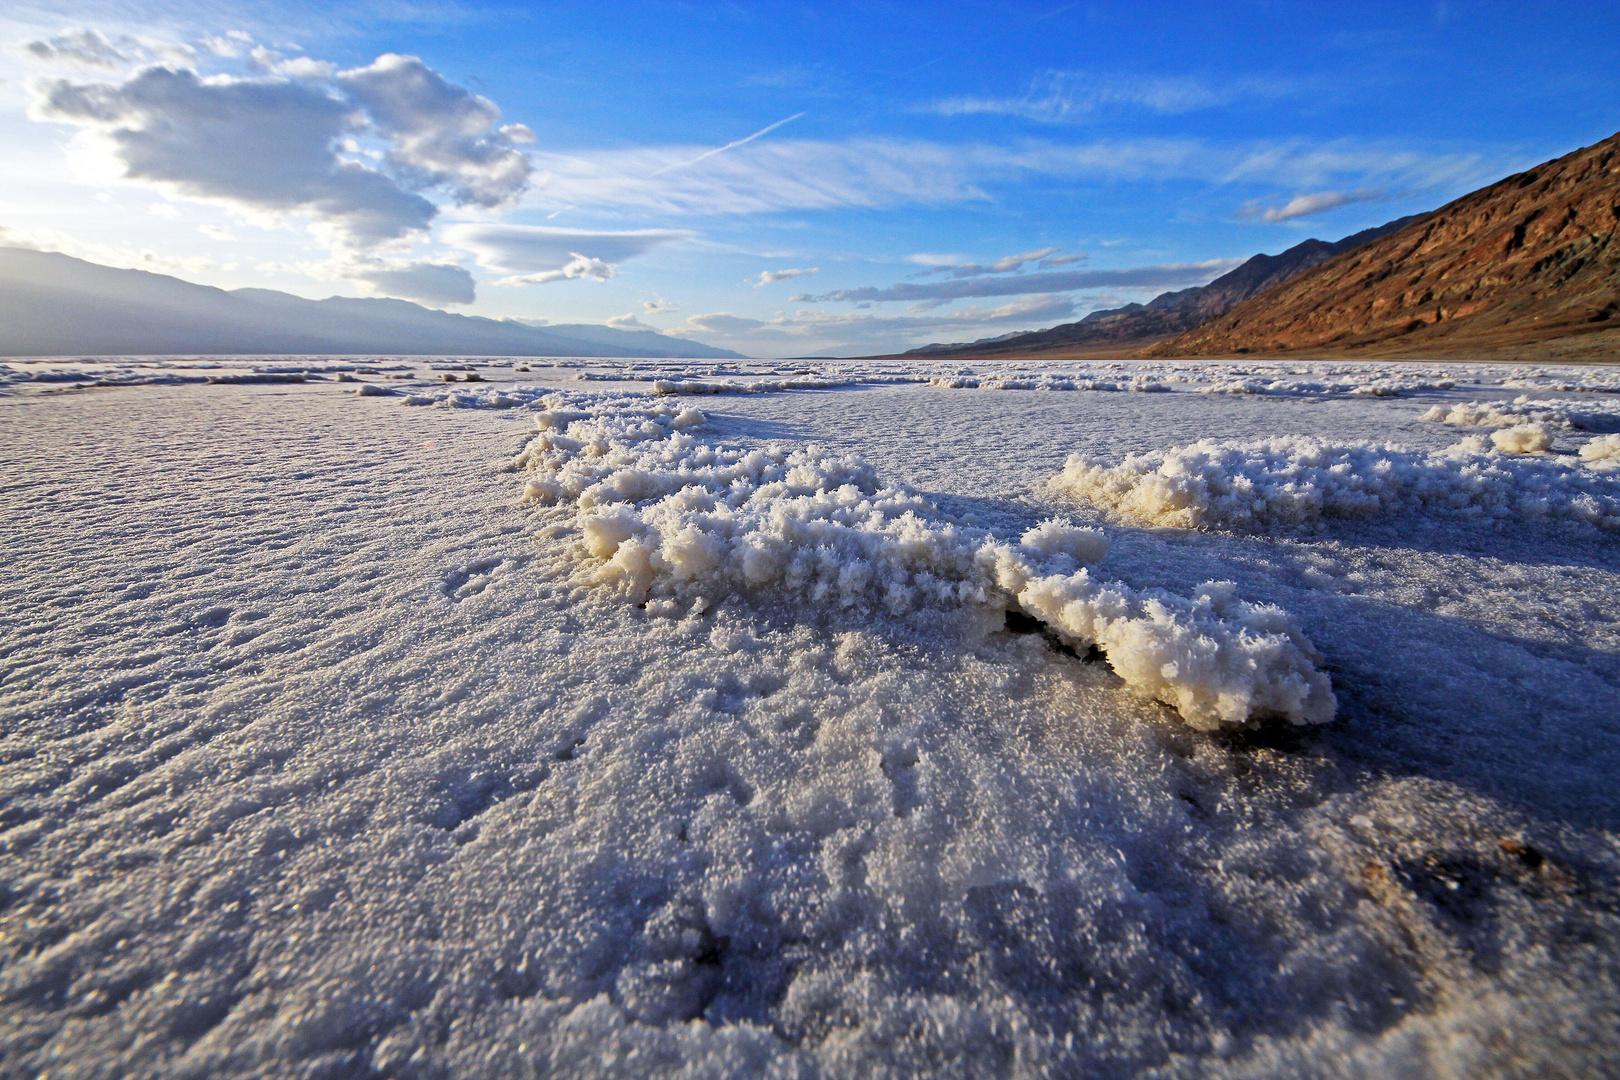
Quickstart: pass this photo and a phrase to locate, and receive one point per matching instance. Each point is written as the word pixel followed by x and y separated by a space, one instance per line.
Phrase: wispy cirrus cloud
pixel 766 130
pixel 1313 203
pixel 1055 97
pixel 771 176
pixel 1170 275
pixel 1067 97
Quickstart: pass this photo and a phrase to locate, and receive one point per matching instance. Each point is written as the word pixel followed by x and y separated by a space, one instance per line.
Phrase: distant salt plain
pixel 740 719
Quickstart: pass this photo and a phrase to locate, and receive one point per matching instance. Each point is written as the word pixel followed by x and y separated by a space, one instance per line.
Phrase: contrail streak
pixel 728 146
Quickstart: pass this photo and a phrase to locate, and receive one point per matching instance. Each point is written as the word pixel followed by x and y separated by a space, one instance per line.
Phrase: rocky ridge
pixel 1171 312
pixel 1529 259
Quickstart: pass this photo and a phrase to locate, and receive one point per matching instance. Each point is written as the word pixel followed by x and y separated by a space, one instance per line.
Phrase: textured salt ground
pixel 310 770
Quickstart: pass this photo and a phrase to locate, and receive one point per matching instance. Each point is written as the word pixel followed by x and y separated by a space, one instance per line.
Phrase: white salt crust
pixel 660 511
pixel 317 765
pixel 1293 482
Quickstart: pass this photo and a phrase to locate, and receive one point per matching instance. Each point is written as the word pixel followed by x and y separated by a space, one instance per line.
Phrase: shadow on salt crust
pixel 1293 482
pixel 661 515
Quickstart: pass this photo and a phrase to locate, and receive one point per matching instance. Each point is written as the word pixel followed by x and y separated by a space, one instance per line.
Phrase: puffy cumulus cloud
pixel 284 141
pixel 265 144
pixel 536 254
pixel 435 284
pixel 1301 205
pixel 1168 275
pixel 442 135
pixel 767 277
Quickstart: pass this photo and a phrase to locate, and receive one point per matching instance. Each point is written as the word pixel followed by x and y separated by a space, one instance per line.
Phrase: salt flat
pixel 585 729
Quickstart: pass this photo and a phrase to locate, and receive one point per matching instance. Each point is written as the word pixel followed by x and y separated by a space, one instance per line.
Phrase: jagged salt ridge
pixel 1290 482
pixel 661 514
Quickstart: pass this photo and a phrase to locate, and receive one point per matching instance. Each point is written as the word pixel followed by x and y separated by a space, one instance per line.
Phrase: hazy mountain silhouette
pixel 56 305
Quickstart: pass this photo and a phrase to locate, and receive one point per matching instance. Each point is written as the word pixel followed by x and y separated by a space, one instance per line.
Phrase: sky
pixel 780 179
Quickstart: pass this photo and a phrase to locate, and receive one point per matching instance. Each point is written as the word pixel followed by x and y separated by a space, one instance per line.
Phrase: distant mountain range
pixel 1172 312
pixel 1532 258
pixel 56 305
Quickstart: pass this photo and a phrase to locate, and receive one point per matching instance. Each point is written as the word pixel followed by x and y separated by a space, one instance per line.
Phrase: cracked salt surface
pixel 325 757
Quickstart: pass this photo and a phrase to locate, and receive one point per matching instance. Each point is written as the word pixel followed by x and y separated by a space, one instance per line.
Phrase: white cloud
pixel 216 232
pixel 163 210
pixel 262 144
pixel 436 284
pixel 579 266
pixel 1301 205
pixel 231 44
pixel 629 321
pixel 296 67
pixel 281 144
pixel 536 254
pixel 442 135
pixel 767 277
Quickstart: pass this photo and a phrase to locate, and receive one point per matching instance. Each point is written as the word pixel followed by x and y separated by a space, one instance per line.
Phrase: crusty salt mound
pixel 1603 451
pixel 1523 439
pixel 1046 382
pixel 1563 415
pixel 661 514
pixel 1292 482
pixel 1376 387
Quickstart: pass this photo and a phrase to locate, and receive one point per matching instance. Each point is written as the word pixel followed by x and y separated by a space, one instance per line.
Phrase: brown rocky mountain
pixel 1171 312
pixel 1532 258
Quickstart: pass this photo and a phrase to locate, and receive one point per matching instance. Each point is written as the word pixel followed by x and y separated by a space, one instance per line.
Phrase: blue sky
pixel 782 179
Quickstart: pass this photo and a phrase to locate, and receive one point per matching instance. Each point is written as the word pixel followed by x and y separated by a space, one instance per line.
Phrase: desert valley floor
pixel 843 719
